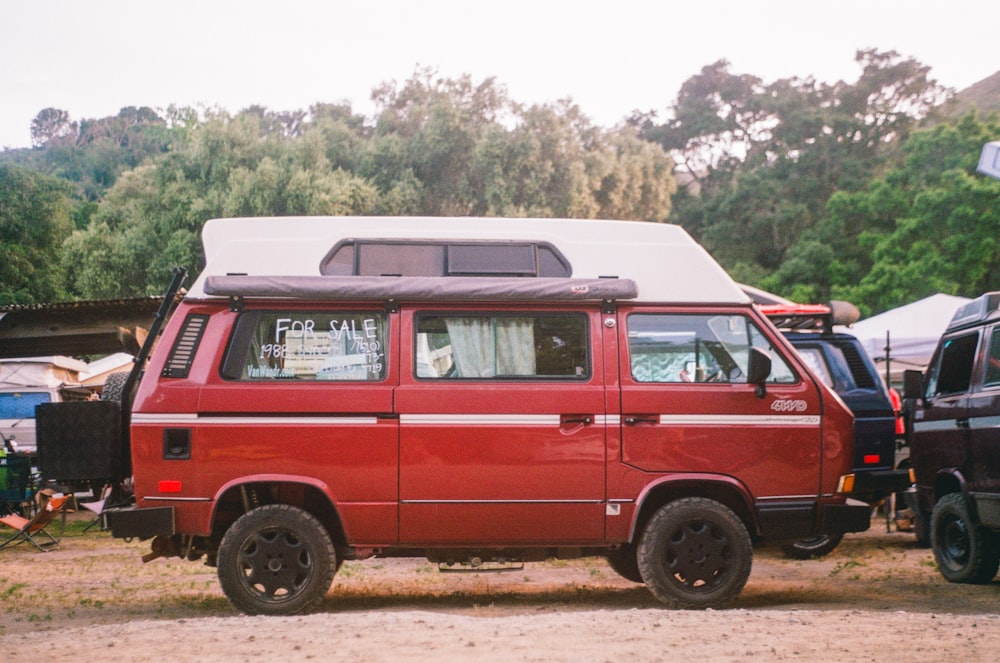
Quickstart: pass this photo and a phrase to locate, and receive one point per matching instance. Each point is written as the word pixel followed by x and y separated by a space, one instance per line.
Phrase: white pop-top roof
pixel 663 260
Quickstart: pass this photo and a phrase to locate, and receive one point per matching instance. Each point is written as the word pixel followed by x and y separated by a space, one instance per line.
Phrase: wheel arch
pixel 314 497
pixel 722 489
pixel 948 480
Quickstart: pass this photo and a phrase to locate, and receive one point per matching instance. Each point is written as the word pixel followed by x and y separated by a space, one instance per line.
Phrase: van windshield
pixel 21 404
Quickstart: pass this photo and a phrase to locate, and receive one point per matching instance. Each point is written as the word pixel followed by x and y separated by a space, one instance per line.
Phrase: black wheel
pixel 964 551
pixel 624 562
pixel 276 560
pixel 695 553
pixel 817 546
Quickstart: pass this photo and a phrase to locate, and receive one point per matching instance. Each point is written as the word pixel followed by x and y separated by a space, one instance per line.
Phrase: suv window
pixel 952 372
pixel 697 348
pixel 814 359
pixel 992 378
pixel 308 345
pixel 530 345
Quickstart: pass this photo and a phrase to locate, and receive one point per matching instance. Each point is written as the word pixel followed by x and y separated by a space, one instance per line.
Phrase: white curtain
pixel 487 347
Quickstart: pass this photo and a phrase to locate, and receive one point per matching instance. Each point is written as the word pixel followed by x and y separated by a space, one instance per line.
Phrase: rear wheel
pixel 276 560
pixel 817 546
pixel 695 553
pixel 964 551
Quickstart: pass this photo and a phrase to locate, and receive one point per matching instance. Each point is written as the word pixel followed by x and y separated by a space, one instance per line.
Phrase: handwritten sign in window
pixel 318 346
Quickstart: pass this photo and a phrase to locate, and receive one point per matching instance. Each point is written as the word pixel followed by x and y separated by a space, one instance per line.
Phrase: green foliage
pixel 438 147
pixel 811 190
pixel 35 218
pixel 929 225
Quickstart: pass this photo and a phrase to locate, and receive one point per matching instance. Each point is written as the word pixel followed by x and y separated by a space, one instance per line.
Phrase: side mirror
pixel 913 384
pixel 759 370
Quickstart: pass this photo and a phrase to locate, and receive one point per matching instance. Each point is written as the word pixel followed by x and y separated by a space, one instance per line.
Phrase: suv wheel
pixel 964 551
pixel 817 546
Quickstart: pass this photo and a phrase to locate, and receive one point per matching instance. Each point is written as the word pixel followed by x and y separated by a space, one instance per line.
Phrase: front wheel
pixel 695 553
pixel 276 560
pixel 817 546
pixel 964 551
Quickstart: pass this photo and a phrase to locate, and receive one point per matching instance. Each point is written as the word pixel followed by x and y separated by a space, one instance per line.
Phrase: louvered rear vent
pixel 182 354
pixel 859 371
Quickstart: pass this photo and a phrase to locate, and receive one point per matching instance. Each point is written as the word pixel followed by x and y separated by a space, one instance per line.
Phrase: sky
pixel 93 57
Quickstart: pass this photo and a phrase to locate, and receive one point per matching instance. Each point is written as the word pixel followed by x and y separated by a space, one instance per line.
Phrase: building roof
pixel 95 327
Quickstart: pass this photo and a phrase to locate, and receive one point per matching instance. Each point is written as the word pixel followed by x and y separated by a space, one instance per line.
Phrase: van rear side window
pixel 308 345
pixel 456 346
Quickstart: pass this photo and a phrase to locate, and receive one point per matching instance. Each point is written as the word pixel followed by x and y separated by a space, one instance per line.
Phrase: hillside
pixel 984 95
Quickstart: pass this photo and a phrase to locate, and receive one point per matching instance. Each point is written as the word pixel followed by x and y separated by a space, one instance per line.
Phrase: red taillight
pixel 170 486
pixel 872 459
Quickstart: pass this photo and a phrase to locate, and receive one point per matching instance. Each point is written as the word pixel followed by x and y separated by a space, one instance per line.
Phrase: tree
pixel 52 126
pixel 762 160
pixel 35 218
pixel 151 219
pixel 929 225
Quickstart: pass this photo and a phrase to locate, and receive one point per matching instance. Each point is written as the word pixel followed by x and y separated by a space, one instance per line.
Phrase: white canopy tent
pixel 913 332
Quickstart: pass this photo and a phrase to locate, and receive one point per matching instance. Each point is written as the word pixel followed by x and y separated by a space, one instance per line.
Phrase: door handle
pixel 586 420
pixel 632 421
pixel 962 423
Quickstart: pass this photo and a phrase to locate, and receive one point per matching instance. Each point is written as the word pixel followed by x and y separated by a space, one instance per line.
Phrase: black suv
pixel 954 431
pixel 840 361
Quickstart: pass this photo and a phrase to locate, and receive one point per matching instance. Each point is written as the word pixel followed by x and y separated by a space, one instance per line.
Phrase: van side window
pixel 530 345
pixel 697 348
pixel 308 345
pixel 992 378
pixel 431 258
pixel 952 372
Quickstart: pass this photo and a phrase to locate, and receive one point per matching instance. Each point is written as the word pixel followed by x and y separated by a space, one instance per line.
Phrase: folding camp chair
pixel 34 530
pixel 97 506
pixel 17 485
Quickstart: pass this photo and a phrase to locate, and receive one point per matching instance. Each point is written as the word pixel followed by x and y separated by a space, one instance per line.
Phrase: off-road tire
pixel 964 551
pixel 817 546
pixel 695 553
pixel 276 560
pixel 114 387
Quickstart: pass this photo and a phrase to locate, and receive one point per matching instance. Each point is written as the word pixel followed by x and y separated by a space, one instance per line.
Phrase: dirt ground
pixel 878 597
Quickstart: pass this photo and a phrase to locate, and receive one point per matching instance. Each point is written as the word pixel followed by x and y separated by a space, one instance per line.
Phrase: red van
pixel 476 391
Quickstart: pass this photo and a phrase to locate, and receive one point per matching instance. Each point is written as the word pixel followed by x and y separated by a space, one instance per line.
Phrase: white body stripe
pixel 472 420
pixel 479 419
pixel 194 419
pixel 738 420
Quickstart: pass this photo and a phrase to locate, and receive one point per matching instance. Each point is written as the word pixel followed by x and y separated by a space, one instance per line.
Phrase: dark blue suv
pixel 839 360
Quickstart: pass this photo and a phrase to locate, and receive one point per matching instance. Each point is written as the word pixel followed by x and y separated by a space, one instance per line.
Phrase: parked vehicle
pixel 479 392
pixel 840 361
pixel 29 381
pixel 955 444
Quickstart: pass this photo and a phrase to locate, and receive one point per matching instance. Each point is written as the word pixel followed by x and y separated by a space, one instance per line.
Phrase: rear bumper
pixel 135 523
pixel 873 485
